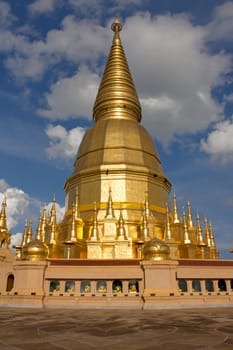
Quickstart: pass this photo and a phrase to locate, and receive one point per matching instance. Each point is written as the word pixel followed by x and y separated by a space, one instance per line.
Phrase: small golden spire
pixel 121 228
pixel 38 230
pixel 76 204
pixel 25 233
pixel 73 236
pixel 117 96
pixel 200 240
pixel 186 234
pixel 212 240
pixel 213 244
pixel 145 228
pixel 53 222
pixel 43 224
pixel 94 231
pixel 53 232
pixel 207 233
pixel 176 219
pixel 3 219
pixel 167 233
pixel 190 218
pixel 109 213
pixel 146 205
pixel 53 211
pixel 29 234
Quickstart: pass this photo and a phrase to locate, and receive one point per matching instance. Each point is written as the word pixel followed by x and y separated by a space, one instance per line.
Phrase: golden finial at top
pixel 116 26
pixel 4 202
pixel 117 96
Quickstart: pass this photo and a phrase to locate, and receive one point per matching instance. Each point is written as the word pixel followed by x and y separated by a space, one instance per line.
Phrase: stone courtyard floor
pixel 66 329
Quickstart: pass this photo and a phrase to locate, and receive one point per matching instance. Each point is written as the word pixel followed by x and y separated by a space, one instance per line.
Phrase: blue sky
pixel 180 55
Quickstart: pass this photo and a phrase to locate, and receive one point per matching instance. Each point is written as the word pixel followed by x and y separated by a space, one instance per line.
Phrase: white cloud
pixel 21 206
pixel 129 2
pixel 221 27
pixel 87 7
pixel 219 142
pixel 77 41
pixel 32 67
pixel 3 185
pixel 174 82
pixel 95 8
pixel 43 6
pixel 177 75
pixel 16 239
pixel 25 59
pixel 6 17
pixel 17 203
pixel 9 42
pixel 73 96
pixel 63 144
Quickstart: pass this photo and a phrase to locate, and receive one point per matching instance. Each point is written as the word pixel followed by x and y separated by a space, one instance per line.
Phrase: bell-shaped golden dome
pixel 118 141
pixel 35 251
pixel 156 249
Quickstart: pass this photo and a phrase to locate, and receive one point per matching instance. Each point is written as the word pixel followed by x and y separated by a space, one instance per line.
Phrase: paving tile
pixel 67 329
pixel 40 346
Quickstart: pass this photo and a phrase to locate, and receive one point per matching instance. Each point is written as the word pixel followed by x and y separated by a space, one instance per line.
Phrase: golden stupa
pixel 5 235
pixel 117 199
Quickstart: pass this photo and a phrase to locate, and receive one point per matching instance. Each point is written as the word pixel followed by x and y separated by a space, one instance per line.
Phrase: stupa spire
pixel 145 228
pixel 94 231
pixel 29 233
pixel 117 96
pixel 39 228
pixel 3 220
pixel 121 228
pixel 212 240
pixel 190 218
pixel 176 219
pixel 25 233
pixel 109 213
pixel 76 204
pixel 215 253
pixel 53 232
pixel 43 223
pixel 53 222
pixel 200 240
pixel 146 205
pixel 53 215
pixel 72 233
pixel 167 233
pixel 207 233
pixel 186 234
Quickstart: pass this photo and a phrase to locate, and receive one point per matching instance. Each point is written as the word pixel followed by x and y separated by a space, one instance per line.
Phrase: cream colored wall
pixel 93 272
pixel 6 268
pixel 29 277
pixel 205 272
pixel 160 277
pixel 158 284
